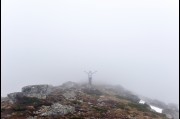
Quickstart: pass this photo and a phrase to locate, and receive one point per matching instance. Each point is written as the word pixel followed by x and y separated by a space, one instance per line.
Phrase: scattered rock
pixel 32 117
pixel 70 95
pixel 30 108
pixel 56 109
pixel 72 101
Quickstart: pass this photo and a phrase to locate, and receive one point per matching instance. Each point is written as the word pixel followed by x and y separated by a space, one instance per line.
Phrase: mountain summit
pixel 81 101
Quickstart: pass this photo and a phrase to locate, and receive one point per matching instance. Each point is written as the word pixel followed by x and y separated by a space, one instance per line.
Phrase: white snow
pixel 142 102
pixel 159 110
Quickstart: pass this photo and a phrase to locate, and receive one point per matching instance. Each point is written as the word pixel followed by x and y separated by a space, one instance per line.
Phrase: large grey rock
pixel 38 91
pixel 13 97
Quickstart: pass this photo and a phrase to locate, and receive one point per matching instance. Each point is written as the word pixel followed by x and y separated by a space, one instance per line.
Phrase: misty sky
pixel 133 43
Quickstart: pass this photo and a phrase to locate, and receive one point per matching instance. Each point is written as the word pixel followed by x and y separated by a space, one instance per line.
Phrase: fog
pixel 133 43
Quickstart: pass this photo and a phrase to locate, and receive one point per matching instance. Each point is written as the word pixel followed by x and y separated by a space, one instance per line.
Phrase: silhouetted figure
pixel 90 73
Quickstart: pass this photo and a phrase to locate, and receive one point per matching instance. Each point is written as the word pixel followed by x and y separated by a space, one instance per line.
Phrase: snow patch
pixel 142 102
pixel 159 110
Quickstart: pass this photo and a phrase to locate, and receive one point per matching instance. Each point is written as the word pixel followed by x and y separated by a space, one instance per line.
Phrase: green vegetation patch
pixel 100 110
pixel 121 106
pixel 19 108
pixel 139 107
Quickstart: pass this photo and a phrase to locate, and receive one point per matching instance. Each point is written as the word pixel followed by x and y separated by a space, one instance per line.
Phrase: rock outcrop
pixel 72 100
pixel 13 97
pixel 38 91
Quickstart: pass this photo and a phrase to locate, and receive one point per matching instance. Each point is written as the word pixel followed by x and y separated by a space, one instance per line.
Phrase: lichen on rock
pixel 38 91
pixel 56 109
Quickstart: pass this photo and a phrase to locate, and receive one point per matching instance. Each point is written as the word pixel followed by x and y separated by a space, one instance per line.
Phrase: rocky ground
pixel 75 101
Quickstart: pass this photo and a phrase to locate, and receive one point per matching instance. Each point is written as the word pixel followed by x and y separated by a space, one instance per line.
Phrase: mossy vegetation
pixel 19 108
pixel 22 102
pixel 139 107
pixel 121 106
pixel 100 110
